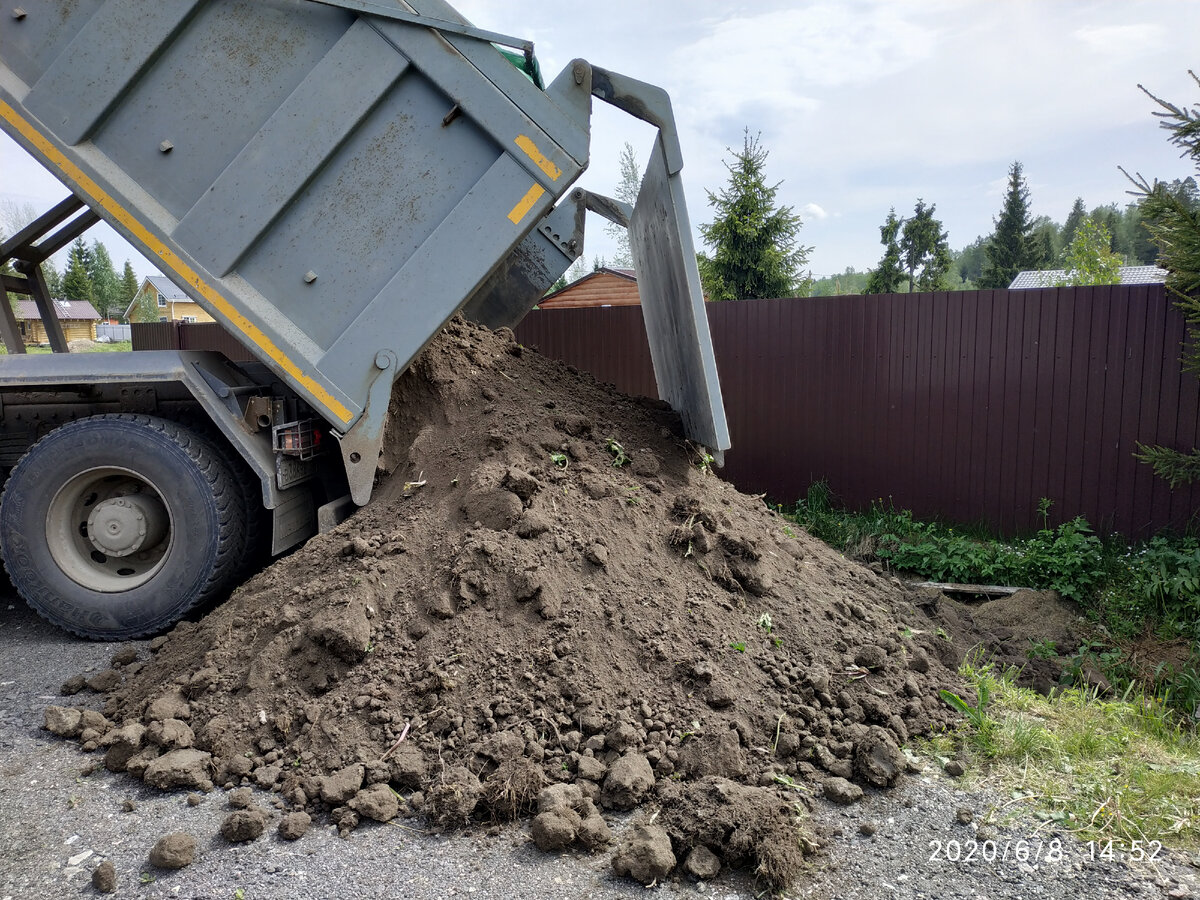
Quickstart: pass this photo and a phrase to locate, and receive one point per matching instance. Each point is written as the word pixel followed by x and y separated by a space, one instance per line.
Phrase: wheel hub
pixel 120 526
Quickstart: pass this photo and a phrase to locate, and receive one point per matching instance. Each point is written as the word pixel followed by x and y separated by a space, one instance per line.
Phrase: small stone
pixel 71 687
pixel 174 851
pixel 839 790
pixel 702 864
pixel 964 816
pixel 868 828
pixel 243 825
pixel 194 799
pixel 104 877
pixel 955 768
pixel 128 806
pixel 294 825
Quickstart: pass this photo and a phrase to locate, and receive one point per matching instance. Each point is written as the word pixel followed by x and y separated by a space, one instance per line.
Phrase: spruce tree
pixel 887 276
pixel 924 251
pixel 129 287
pixel 106 287
pixel 1174 225
pixel 1008 250
pixel 76 285
pixel 754 242
pixel 1074 217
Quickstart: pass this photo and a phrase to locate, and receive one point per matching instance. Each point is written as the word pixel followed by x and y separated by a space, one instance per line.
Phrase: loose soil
pixel 550 607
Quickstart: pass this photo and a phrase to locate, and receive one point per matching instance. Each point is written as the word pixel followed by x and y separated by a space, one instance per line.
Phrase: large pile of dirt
pixel 549 590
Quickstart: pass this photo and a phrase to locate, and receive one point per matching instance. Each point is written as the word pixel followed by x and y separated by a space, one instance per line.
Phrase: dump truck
pixel 332 181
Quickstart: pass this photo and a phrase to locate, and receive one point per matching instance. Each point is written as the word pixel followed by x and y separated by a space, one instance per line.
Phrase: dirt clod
pixel 174 851
pixel 294 825
pixel 645 854
pixel 243 825
pixel 104 877
pixel 839 790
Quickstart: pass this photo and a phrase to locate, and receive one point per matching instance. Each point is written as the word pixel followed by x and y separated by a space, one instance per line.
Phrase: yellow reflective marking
pixel 526 203
pixel 172 261
pixel 526 143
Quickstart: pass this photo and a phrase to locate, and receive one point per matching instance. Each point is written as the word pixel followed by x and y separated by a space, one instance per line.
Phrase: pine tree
pixel 1174 225
pixel 923 249
pixel 1074 217
pixel 887 276
pixel 754 242
pixel 627 192
pixel 129 287
pixel 1044 238
pixel 76 284
pixel 1008 250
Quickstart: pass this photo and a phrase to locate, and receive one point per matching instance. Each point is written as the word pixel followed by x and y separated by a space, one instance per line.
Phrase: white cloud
pixel 1124 40
pixel 813 211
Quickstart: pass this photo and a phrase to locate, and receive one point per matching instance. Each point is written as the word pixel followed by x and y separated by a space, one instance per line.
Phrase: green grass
pixel 115 347
pixel 1131 594
pixel 1122 770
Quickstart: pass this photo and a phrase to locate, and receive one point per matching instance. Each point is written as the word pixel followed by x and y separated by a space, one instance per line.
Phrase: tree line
pixel 752 247
pixel 89 273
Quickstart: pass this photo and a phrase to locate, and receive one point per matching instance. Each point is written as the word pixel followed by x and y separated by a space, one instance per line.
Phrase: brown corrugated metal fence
pixel 188 336
pixel 968 405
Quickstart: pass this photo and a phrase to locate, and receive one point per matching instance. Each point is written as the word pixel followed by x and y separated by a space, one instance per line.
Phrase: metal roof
pixel 64 309
pixel 1045 278
pixel 167 288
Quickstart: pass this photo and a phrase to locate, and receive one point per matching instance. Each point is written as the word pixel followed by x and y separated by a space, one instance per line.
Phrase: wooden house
pixel 169 302
pixel 604 287
pixel 78 318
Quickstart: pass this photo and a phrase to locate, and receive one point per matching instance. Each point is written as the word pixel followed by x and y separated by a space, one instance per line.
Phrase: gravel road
pixel 57 824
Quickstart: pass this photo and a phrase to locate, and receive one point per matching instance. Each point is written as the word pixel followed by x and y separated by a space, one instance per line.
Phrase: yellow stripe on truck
pixel 177 265
pixel 525 204
pixel 526 144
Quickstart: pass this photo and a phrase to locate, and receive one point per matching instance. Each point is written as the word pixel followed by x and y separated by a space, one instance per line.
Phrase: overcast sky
pixel 862 104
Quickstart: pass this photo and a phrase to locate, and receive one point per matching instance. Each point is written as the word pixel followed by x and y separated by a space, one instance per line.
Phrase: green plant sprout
pixel 620 457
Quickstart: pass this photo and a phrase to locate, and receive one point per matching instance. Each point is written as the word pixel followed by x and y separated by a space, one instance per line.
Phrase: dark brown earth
pixel 515 611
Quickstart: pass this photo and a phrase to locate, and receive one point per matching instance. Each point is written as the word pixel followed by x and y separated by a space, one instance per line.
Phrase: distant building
pixel 604 287
pixel 78 318
pixel 1050 277
pixel 172 304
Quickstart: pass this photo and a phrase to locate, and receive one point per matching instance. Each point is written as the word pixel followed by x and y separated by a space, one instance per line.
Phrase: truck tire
pixel 114 526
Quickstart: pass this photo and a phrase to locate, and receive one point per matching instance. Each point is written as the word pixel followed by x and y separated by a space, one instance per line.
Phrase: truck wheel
pixel 114 526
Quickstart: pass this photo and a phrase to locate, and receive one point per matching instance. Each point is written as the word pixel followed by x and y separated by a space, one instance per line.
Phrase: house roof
pixel 64 309
pixel 167 288
pixel 1050 277
pixel 164 286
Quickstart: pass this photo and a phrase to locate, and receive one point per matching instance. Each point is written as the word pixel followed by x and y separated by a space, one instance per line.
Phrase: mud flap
pixel 660 238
